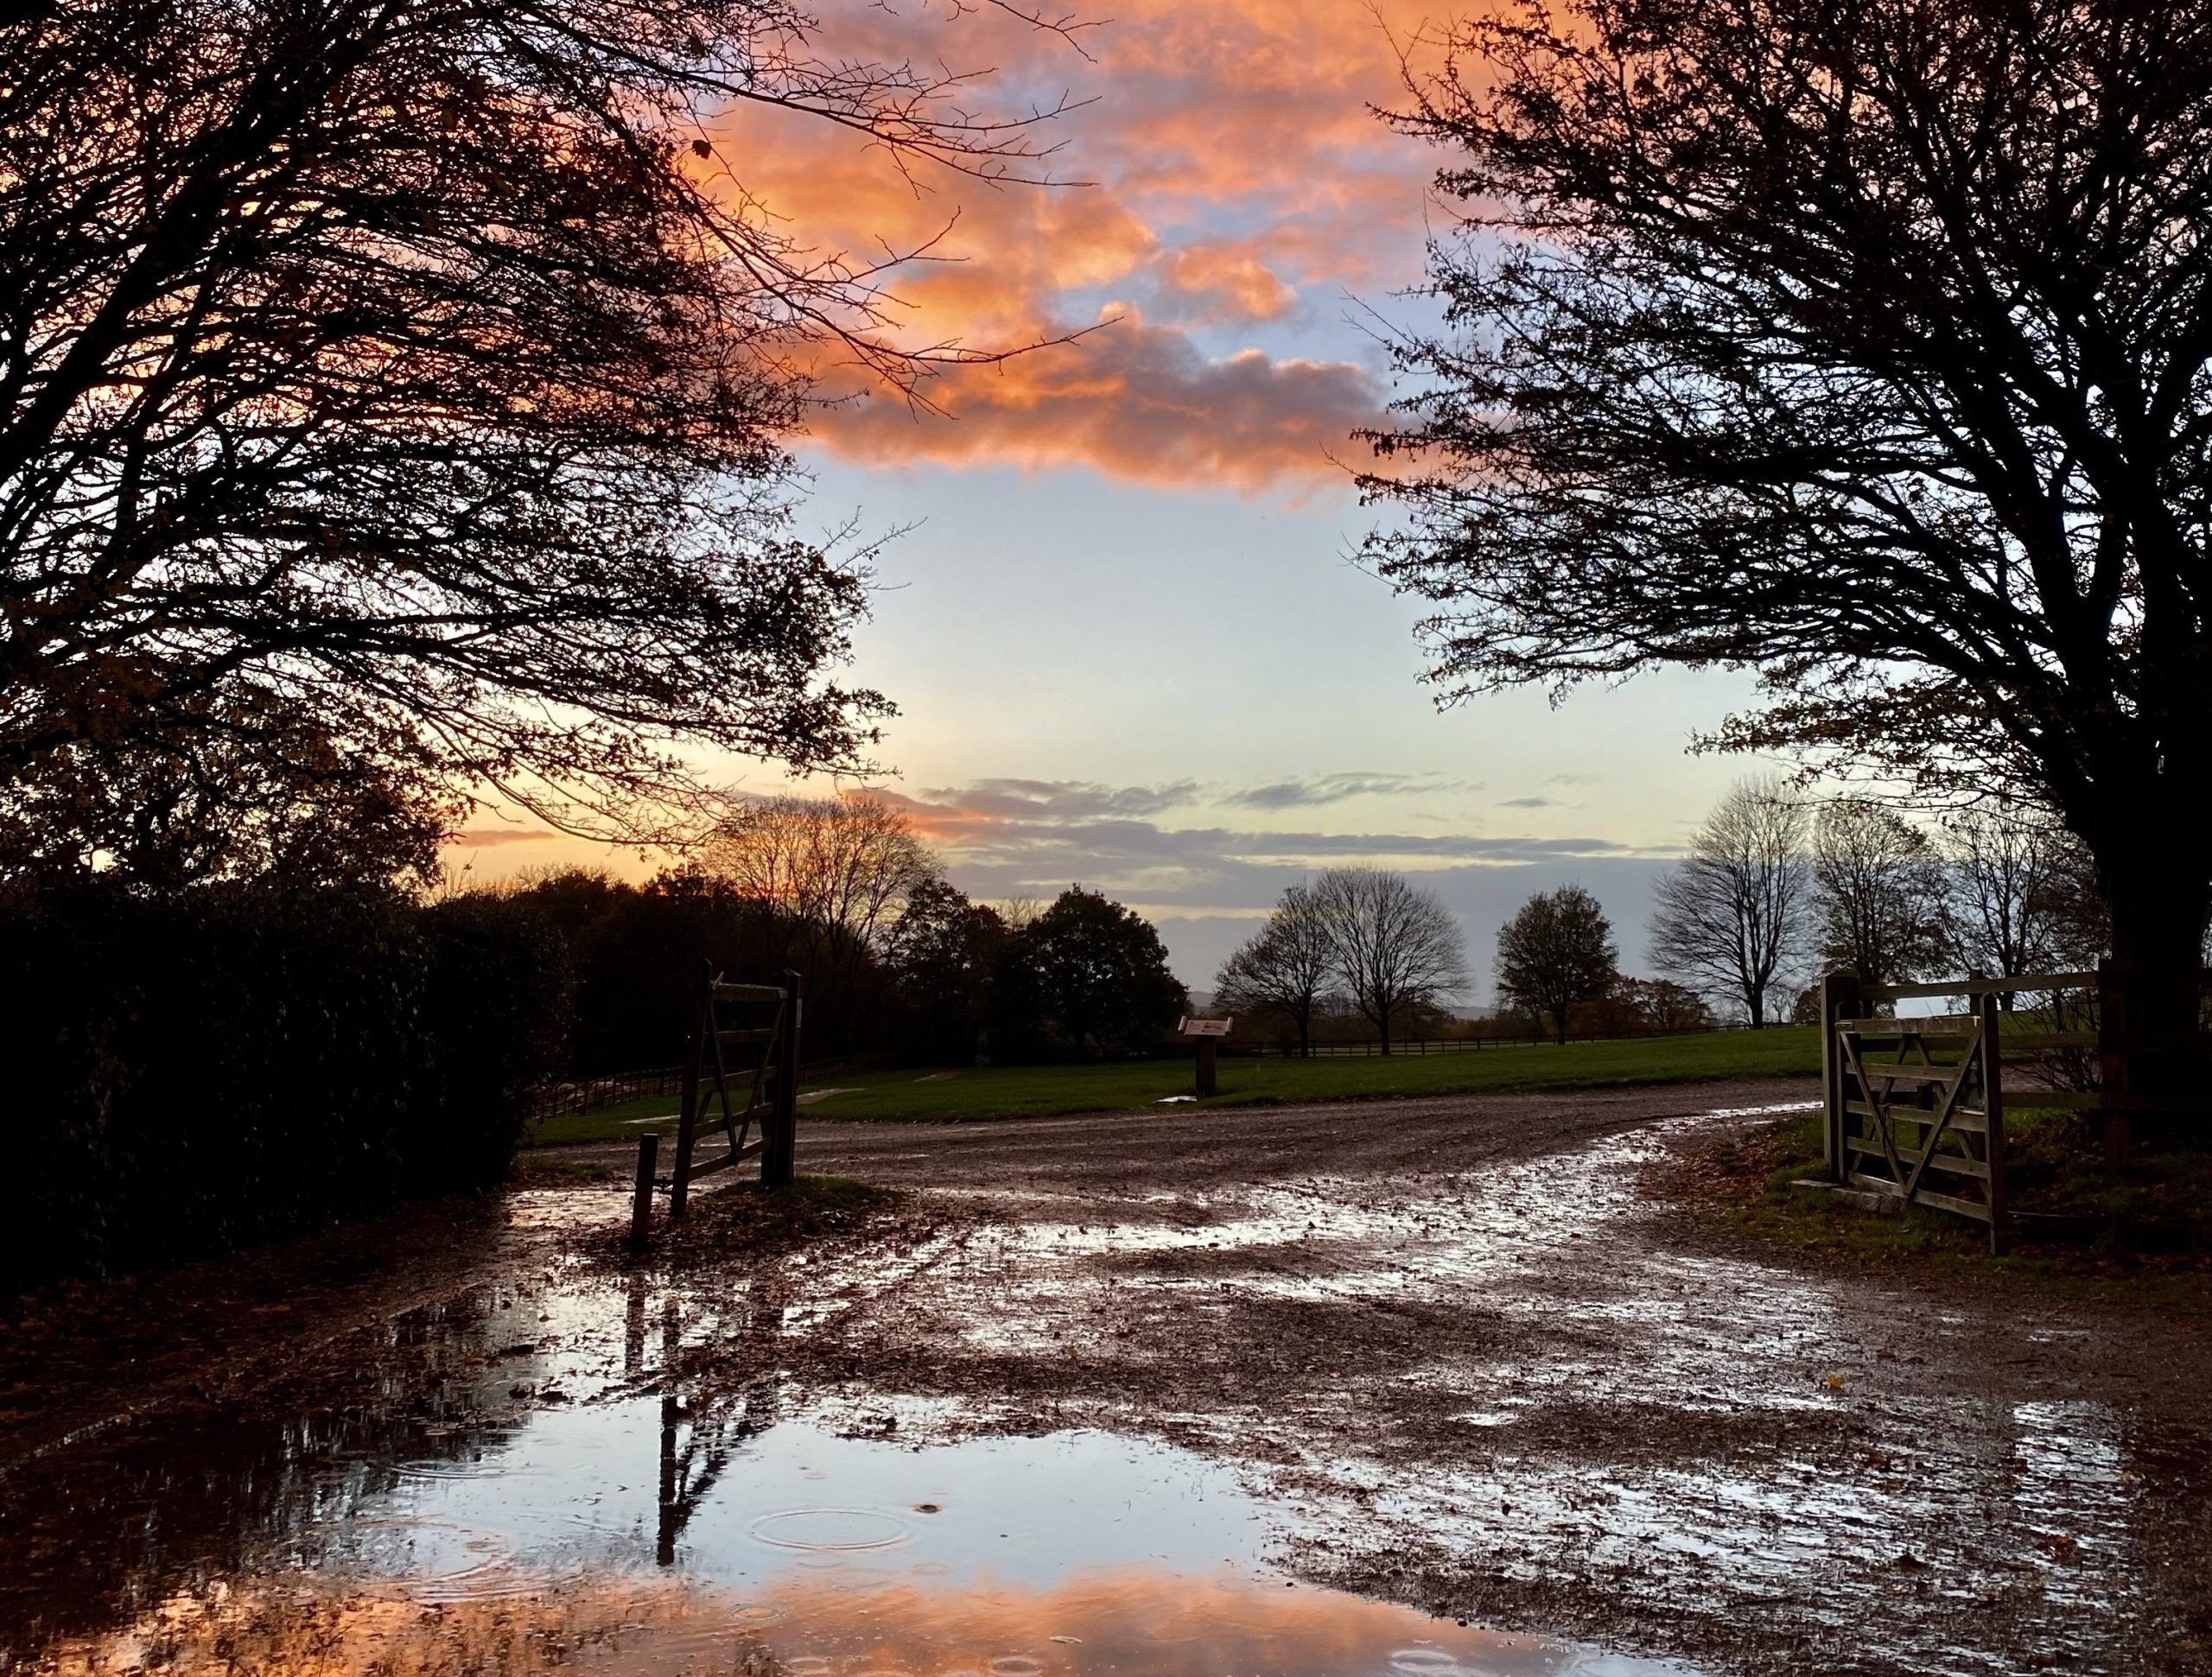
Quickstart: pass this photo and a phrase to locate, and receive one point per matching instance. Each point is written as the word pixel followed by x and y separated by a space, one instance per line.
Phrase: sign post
pixel 1207 1032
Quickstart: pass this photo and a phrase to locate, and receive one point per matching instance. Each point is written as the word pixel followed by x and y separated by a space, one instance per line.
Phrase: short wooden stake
pixel 641 1201
pixel 1207 1083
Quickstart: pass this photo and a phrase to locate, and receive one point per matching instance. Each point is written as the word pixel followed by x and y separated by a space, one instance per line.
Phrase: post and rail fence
pixel 747 1038
pixel 1915 1105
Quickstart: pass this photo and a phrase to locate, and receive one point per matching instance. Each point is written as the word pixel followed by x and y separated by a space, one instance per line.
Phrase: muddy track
pixel 1455 1346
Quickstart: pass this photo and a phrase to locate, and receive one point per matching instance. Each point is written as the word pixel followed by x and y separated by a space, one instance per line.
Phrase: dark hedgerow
pixel 197 1071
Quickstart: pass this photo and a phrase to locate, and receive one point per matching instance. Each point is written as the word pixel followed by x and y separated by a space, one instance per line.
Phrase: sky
pixel 1122 617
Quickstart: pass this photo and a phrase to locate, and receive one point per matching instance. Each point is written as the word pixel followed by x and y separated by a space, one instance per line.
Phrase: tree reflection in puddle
pixel 635 1535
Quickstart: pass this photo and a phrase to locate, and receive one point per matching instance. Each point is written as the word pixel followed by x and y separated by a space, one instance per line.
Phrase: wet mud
pixel 1421 1387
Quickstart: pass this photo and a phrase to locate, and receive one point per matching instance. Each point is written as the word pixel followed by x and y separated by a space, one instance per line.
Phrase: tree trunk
pixel 1382 1023
pixel 2154 1043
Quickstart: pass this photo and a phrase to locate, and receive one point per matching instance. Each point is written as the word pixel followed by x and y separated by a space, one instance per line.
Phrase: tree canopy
pixel 1088 974
pixel 1861 345
pixel 416 371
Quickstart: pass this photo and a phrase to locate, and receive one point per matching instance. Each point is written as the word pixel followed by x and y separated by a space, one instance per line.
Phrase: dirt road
pixel 1455 1345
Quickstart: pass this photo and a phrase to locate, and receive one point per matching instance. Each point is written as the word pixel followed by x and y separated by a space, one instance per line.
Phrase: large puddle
pixel 496 1486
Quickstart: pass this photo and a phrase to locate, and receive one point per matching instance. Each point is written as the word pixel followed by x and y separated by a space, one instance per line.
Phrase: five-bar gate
pixel 743 1071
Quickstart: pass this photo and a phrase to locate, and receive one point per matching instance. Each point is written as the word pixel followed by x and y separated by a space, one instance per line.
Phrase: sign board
pixel 1203 1028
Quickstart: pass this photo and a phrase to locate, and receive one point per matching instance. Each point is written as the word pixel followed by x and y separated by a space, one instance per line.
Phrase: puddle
pixel 443 1525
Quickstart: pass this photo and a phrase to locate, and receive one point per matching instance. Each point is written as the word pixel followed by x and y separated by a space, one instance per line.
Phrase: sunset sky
pixel 1125 631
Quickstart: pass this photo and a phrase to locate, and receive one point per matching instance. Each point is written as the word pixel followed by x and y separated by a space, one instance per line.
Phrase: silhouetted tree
pixel 1731 917
pixel 2014 903
pixel 840 869
pixel 1660 1004
pixel 1865 345
pixel 1394 946
pixel 1285 969
pixel 941 953
pixel 1878 894
pixel 1555 954
pixel 1088 971
pixel 276 799
pixel 417 370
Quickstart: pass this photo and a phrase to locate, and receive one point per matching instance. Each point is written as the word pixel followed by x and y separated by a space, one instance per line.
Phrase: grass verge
pixel 1744 1186
pixel 1028 1091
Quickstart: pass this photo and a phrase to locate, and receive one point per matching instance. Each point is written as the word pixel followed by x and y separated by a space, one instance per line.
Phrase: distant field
pixel 1023 1091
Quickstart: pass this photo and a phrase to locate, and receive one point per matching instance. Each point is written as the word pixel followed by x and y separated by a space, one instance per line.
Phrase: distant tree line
pixel 898 961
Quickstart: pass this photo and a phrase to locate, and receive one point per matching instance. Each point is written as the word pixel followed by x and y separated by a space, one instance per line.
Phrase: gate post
pixel 1839 1001
pixel 778 1151
pixel 1993 1106
pixel 679 1187
pixel 641 1199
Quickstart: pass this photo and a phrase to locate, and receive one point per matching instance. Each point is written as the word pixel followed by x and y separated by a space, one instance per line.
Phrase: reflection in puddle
pixel 448 1525
pixel 810 1556
pixel 1126 1620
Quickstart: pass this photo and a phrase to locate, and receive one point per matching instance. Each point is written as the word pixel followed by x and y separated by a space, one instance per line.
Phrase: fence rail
pixel 1420 1045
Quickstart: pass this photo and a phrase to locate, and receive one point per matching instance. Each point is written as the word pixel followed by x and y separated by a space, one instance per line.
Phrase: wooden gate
pixel 1917 1108
pixel 743 1071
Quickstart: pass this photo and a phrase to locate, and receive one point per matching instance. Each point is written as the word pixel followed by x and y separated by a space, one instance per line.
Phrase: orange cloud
pixel 1134 400
pixel 1234 164
pixel 1225 282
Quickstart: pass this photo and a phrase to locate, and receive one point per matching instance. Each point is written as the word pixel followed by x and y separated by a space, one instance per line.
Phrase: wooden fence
pixel 1916 1105
pixel 1366 1046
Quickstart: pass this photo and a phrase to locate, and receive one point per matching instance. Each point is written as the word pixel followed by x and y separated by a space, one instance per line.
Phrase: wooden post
pixel 641 1201
pixel 1839 1001
pixel 779 1135
pixel 1991 1008
pixel 2112 1065
pixel 687 1122
pixel 1207 1082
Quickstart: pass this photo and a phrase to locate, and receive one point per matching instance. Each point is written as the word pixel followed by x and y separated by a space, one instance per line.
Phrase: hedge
pixel 198 1072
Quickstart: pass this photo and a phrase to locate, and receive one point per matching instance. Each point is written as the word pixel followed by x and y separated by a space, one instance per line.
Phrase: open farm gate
pixel 742 1071
pixel 1917 1104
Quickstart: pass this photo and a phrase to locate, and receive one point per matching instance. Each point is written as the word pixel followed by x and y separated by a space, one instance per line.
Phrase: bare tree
pixel 1864 346
pixel 1731 916
pixel 2015 899
pixel 1285 969
pixel 1555 954
pixel 841 868
pixel 1394 945
pixel 1880 893
pixel 414 371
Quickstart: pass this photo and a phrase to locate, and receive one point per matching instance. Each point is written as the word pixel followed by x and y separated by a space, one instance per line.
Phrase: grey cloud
pixel 1063 800
pixel 1526 803
pixel 1336 788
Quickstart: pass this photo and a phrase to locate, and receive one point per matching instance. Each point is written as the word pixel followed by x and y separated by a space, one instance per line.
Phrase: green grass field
pixel 1024 1091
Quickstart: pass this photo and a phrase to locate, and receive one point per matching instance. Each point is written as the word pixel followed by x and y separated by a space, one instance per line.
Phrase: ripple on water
pixel 1422 1661
pixel 452 1563
pixel 831 1531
